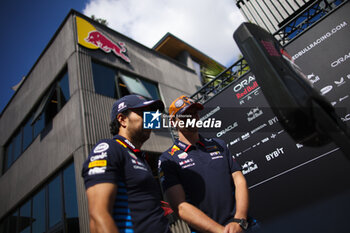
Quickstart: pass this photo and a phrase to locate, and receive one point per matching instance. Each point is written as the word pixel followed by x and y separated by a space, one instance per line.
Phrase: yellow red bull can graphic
pixel 90 37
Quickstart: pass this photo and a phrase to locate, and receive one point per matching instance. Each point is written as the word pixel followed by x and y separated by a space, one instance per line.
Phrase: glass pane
pixel 8 155
pixel 64 88
pixel 4 225
pixel 17 146
pixel 39 216
pixel 27 134
pixel 39 125
pixel 70 199
pixel 12 227
pixel 104 80
pixel 135 86
pixel 55 202
pixel 24 219
pixel 123 90
pixel 51 108
pixel 44 102
pixel 152 89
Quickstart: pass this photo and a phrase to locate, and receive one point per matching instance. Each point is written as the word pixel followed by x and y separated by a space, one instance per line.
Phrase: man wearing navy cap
pixel 202 181
pixel 122 194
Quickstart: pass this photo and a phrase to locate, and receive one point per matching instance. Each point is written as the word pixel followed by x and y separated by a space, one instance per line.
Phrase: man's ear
pixel 122 119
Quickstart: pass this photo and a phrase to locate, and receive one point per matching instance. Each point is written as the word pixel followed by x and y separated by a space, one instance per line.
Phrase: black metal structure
pixel 304 113
pixel 298 24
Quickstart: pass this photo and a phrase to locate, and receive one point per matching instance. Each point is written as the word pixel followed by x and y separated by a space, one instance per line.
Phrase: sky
pixel 28 26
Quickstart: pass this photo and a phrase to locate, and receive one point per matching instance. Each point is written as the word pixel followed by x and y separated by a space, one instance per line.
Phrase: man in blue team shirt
pixel 122 194
pixel 203 183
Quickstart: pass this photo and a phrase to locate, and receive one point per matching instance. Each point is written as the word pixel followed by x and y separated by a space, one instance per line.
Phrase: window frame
pixel 118 81
pixel 36 115
pixel 62 224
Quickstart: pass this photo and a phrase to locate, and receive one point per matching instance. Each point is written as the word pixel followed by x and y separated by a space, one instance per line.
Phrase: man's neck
pixel 127 137
pixel 190 138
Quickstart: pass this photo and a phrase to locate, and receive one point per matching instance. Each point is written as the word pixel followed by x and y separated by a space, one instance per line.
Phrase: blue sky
pixel 28 26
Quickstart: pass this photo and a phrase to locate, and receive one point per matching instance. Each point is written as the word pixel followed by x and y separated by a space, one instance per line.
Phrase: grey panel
pixel 51 63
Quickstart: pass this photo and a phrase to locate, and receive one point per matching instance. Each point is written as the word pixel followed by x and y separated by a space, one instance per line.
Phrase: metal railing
pixel 284 35
pixel 222 80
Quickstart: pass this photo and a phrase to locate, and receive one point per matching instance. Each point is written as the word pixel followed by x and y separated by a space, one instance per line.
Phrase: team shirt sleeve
pixel 103 164
pixel 167 169
pixel 233 165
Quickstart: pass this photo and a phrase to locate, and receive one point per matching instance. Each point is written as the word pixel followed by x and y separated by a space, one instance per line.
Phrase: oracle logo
pixel 243 83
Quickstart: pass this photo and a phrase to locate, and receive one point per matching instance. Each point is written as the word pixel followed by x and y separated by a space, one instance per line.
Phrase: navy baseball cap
pixel 134 102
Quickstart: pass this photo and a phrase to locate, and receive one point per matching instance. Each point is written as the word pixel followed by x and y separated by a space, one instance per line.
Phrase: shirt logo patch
pixel 181 144
pixel 129 143
pixel 214 153
pixel 187 163
pixel 98 157
pixel 101 147
pixel 97 170
pixel 98 163
pixel 183 155
pixel 132 155
pixel 173 150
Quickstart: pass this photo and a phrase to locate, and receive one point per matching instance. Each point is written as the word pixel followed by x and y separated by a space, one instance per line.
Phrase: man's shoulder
pixel 169 153
pixel 106 145
pixel 106 148
pixel 219 141
pixel 214 143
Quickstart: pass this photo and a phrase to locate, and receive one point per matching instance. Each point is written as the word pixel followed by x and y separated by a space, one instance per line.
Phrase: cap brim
pixel 153 104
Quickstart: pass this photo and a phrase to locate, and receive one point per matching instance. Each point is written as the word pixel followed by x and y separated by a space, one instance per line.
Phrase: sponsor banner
pixel 270 159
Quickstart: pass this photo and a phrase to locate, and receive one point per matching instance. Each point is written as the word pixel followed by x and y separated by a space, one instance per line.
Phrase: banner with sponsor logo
pixel 91 38
pixel 285 177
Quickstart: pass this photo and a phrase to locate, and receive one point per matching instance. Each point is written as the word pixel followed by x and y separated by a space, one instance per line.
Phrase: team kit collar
pixel 126 143
pixel 183 146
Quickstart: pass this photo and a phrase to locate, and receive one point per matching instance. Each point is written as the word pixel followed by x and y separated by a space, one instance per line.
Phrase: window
pixel 38 126
pixel 135 86
pixel 17 145
pixel 42 115
pixel 8 156
pixel 63 90
pixel 9 224
pixel 27 134
pixel 45 211
pixel 55 202
pixel 115 84
pixel 39 215
pixel 53 101
pixel 104 80
pixel 152 89
pixel 70 199
pixel 25 218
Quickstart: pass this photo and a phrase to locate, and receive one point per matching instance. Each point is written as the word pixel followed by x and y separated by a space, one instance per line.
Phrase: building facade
pixel 62 108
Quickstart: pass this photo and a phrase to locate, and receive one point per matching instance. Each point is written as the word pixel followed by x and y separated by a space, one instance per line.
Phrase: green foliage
pixel 100 20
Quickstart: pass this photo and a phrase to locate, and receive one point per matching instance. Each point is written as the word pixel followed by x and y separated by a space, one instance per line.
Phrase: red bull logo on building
pixel 90 38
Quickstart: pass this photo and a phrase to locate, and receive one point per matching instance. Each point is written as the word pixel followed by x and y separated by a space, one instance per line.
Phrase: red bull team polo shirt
pixel 137 206
pixel 205 172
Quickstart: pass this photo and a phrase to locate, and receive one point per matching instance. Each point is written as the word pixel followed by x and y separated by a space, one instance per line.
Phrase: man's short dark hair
pixel 115 125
